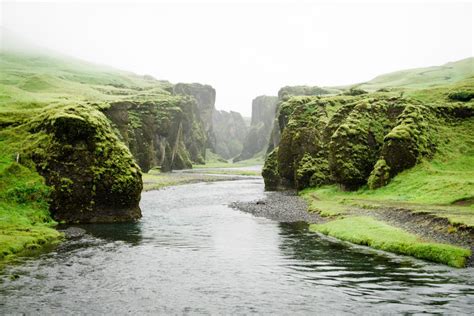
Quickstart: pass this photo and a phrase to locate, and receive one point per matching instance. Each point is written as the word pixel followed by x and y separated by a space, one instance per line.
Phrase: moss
pixel 410 140
pixel 270 172
pixel 355 91
pixel 154 130
pixel 463 96
pixel 380 175
pixel 367 231
pixel 350 134
pixel 91 175
pixel 355 145
pixel 286 92
pixel 312 171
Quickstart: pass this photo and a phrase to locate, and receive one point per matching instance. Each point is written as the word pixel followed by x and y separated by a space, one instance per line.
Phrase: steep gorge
pixel 256 141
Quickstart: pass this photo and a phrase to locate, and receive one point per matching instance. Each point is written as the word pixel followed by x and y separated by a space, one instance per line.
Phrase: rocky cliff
pixel 205 96
pixel 230 131
pixel 84 132
pixel 166 132
pixel 91 175
pixel 354 140
pixel 263 113
pixel 280 118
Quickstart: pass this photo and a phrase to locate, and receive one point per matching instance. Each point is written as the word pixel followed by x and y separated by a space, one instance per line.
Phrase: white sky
pixel 248 48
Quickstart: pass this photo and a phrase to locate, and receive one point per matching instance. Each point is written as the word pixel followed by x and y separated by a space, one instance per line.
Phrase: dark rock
pixel 74 232
pixel 93 176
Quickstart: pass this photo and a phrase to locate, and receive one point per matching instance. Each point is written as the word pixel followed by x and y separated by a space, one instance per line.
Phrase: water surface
pixel 192 254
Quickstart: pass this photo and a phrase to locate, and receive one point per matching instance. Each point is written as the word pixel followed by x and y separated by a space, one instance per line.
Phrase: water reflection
pixel 127 232
pixel 378 277
pixel 192 254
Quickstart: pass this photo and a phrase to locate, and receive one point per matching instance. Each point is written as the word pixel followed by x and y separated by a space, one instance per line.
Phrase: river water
pixel 192 254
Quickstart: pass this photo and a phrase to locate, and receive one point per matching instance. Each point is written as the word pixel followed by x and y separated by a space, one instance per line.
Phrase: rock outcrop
pixel 281 115
pixel 91 173
pixel 230 131
pixel 166 133
pixel 205 96
pixel 263 113
pixel 348 140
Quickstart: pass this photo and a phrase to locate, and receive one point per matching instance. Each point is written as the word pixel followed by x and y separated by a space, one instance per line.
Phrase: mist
pixel 250 48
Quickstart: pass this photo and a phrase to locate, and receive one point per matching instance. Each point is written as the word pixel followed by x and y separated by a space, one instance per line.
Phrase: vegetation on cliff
pixel 362 156
pixel 283 109
pixel 64 130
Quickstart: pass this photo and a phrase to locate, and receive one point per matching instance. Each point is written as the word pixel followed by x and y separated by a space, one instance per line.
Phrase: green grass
pixel 32 81
pixel 154 180
pixel 325 208
pixel 244 163
pixel 30 84
pixel 230 171
pixel 445 179
pixel 367 231
pixel 420 78
pixel 25 223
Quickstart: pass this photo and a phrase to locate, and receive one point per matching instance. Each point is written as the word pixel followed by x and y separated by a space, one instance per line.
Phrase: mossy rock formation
pixel 92 175
pixel 353 140
pixel 166 132
pixel 283 110
pixel 205 97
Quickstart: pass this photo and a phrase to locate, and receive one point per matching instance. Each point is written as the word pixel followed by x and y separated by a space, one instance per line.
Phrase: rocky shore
pixel 283 206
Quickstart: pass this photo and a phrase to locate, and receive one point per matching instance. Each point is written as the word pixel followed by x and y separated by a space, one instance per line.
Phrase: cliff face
pixel 91 174
pixel 284 94
pixel 353 140
pixel 263 113
pixel 205 96
pixel 230 131
pixel 166 132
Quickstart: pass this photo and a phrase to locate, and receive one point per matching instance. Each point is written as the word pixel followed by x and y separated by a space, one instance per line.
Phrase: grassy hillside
pixel 32 84
pixel 419 78
pixel 30 80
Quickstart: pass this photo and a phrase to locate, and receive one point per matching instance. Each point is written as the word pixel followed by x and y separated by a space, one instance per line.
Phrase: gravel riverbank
pixel 283 206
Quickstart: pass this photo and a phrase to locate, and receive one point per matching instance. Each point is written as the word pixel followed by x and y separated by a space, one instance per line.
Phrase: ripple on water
pixel 192 254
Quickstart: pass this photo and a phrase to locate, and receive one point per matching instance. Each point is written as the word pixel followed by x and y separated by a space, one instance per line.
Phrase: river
pixel 192 254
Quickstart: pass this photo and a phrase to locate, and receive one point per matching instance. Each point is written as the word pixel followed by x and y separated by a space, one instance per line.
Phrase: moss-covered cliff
pixel 73 137
pixel 282 111
pixel 354 140
pixel 166 132
pixel 91 175
pixel 263 113
pixel 205 96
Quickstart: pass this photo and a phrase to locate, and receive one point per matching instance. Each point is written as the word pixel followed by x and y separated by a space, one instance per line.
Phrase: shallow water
pixel 192 254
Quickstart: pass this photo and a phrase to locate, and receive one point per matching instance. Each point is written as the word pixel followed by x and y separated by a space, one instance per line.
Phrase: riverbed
pixel 193 254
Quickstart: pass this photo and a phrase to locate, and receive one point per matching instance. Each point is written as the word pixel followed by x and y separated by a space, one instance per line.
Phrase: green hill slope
pixel 68 130
pixel 419 78
pixel 45 79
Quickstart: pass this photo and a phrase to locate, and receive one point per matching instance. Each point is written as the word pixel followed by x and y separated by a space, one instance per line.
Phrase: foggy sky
pixel 250 48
